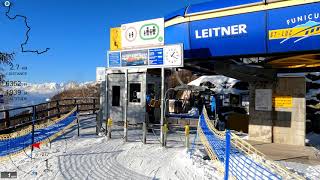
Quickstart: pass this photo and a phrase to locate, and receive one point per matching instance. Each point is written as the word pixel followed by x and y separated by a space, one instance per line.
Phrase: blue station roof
pixel 210 6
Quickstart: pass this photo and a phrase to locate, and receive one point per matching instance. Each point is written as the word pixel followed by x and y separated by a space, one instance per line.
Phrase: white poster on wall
pixel 143 34
pixel 263 100
pixel 100 74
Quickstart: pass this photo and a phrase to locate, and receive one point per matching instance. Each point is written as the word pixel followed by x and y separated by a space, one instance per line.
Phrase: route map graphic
pixel 8 5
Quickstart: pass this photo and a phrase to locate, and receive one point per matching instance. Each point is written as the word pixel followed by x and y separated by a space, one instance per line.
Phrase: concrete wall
pixel 282 125
pixel 290 123
pixel 260 122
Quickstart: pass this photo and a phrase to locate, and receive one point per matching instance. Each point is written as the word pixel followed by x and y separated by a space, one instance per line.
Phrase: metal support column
pixel 105 103
pixel 162 107
pixel 125 135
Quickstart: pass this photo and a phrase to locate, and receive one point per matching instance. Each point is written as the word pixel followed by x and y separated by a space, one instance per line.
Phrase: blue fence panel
pixel 17 144
pixel 241 165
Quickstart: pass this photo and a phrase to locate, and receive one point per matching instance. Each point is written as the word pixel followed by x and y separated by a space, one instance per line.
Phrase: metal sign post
pixel 162 108
pixel 125 136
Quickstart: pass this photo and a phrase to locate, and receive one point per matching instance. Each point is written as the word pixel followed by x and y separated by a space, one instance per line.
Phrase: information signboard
pixel 134 58
pixel 114 59
pixel 155 57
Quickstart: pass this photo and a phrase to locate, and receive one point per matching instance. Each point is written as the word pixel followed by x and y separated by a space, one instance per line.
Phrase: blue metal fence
pixel 240 165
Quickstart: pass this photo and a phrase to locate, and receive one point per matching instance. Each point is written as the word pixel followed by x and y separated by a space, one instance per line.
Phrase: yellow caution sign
pixel 115 39
pixel 282 102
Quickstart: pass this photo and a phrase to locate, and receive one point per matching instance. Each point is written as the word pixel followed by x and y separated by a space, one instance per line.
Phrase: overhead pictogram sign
pixel 142 34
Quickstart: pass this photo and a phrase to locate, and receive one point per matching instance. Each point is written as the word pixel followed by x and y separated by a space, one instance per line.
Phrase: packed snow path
pixel 93 157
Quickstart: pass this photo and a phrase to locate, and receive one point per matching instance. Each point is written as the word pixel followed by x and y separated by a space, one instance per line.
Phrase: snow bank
pixel 309 172
pixel 219 81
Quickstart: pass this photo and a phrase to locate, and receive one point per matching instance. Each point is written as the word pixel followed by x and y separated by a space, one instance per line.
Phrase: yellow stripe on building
pixel 294 32
pixel 234 11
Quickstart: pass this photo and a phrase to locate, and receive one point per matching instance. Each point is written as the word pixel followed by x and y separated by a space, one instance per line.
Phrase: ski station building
pixel 266 43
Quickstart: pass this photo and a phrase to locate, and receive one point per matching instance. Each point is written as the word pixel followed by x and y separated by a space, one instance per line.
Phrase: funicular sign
pixel 294 28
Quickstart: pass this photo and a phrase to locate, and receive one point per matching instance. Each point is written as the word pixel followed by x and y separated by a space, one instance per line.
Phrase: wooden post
pixel 58 108
pixel 33 121
pixel 144 138
pixel 78 122
pixel 7 118
pixel 94 106
pixel 48 106
pixel 97 123
pixel 75 103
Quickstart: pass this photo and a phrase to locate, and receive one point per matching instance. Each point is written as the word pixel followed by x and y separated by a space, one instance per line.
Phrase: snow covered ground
pixel 93 157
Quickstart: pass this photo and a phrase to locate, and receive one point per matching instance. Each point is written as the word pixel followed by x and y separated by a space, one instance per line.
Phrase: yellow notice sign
pixel 282 102
pixel 115 39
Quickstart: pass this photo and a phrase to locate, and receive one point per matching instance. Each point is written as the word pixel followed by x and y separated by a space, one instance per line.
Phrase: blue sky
pixel 77 33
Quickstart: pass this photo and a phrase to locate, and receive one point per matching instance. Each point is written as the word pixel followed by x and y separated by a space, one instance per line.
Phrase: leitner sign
pixel 230 35
pixel 155 57
pixel 221 31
